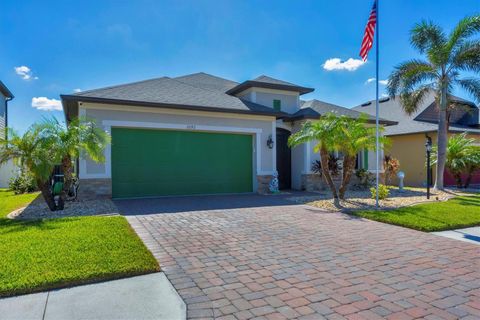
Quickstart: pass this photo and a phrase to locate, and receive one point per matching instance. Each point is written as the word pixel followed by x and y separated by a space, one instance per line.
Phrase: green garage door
pixel 148 163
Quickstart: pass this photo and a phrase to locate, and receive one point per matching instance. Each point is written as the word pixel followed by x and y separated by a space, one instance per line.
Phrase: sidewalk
pixel 471 235
pixel 144 297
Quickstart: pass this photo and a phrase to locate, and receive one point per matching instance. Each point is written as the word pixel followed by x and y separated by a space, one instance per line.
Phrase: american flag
pixel 369 33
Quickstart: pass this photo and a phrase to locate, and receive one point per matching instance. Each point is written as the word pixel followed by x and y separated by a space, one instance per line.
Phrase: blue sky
pixel 68 45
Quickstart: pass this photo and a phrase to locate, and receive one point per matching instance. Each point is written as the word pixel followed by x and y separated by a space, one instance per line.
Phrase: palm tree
pixel 337 133
pixel 322 132
pixel 31 152
pixel 463 156
pixel 81 136
pixel 446 57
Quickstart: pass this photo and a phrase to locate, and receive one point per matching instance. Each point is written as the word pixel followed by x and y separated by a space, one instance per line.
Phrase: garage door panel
pixel 164 162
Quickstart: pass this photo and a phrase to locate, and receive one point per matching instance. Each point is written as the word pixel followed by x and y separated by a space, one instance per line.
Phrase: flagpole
pixel 377 142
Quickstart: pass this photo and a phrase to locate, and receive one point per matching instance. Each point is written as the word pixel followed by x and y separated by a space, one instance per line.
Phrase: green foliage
pixel 23 182
pixel 346 135
pixel 365 178
pixel 460 212
pixel 383 192
pixel 463 156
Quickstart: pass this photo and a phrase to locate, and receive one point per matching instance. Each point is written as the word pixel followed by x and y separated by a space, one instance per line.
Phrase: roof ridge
pixel 205 73
pixel 119 85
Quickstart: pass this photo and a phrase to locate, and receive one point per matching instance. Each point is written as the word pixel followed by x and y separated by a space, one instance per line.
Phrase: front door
pixel 284 159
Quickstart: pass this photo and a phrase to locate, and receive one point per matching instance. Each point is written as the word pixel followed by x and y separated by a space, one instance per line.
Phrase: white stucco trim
pixel 307 166
pixel 108 124
pixel 274 149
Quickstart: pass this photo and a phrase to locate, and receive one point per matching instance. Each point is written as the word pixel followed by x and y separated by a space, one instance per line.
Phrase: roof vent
pixel 384 100
pixel 366 104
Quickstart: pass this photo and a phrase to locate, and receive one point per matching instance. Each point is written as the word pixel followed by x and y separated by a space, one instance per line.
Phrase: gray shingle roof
pixel 197 91
pixel 264 81
pixel 392 110
pixel 313 109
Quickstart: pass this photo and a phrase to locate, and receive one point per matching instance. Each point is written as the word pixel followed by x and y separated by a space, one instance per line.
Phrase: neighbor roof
pixel 313 109
pixel 391 109
pixel 198 91
pixel 4 90
pixel 269 83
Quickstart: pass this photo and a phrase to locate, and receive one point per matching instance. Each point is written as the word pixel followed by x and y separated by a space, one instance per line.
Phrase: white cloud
pixel 46 104
pixel 77 90
pixel 337 64
pixel 382 82
pixel 25 72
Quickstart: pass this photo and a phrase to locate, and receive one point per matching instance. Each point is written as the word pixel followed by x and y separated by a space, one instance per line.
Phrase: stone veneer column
pixel 263 182
pixel 312 182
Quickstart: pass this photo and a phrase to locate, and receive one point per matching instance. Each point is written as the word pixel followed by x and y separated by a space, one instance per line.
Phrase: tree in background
pixel 447 56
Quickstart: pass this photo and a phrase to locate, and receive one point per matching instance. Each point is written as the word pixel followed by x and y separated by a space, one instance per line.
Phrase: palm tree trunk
pixel 442 140
pixel 67 180
pixel 348 165
pixel 47 194
pixel 326 172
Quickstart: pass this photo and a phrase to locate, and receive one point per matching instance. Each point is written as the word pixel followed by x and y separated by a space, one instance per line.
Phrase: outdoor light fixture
pixel 270 142
pixel 428 148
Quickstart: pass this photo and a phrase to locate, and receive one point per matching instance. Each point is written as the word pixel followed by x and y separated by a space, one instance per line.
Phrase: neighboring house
pixel 7 170
pixel 409 135
pixel 199 134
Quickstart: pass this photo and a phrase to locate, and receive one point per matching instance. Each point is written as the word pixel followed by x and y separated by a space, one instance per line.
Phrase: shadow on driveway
pixel 202 203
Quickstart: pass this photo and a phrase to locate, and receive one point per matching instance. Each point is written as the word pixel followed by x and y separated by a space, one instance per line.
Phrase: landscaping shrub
pixel 23 183
pixel 383 192
pixel 365 178
pixel 392 165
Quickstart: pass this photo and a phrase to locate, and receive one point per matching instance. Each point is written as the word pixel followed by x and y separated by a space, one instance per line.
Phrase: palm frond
pixel 467 57
pixel 409 74
pixel 426 35
pixel 411 100
pixel 465 28
pixel 471 85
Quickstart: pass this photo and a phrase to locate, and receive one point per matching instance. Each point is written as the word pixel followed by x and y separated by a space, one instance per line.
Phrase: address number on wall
pixel 191 127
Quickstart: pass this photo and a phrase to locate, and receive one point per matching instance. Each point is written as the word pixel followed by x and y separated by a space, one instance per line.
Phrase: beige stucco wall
pixel 259 127
pixel 410 151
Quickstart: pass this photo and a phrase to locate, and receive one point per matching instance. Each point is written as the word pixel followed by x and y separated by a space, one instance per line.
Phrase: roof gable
pixel 267 82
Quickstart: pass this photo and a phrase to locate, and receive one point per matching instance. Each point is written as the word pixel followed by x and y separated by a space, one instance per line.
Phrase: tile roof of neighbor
pixel 313 109
pixel 391 109
pixel 269 83
pixel 198 91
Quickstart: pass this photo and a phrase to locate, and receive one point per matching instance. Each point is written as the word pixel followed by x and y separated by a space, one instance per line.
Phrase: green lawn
pixel 52 253
pixel 459 212
pixel 9 201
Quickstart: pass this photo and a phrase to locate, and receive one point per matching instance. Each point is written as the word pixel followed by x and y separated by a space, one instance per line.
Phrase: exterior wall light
pixel 270 142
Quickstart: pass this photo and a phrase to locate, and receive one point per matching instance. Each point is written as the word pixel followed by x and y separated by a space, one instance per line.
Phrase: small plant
pixel 317 167
pixel 391 165
pixel 383 192
pixel 365 178
pixel 22 183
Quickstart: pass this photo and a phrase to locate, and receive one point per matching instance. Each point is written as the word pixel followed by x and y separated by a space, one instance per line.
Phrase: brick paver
pixel 297 262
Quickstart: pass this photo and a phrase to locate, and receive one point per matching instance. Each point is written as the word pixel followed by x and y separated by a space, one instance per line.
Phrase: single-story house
pixel 199 134
pixel 408 136
pixel 7 170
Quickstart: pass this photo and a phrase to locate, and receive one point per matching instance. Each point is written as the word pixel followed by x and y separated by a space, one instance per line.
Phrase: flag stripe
pixel 367 40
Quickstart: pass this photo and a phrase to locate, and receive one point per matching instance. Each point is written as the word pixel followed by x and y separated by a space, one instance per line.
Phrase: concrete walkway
pixel 143 297
pixel 471 235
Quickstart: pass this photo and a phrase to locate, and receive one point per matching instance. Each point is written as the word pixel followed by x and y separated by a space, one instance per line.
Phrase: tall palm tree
pixel 337 133
pixel 447 56
pixel 81 136
pixel 31 152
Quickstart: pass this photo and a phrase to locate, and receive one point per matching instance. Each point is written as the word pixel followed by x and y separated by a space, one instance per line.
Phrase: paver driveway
pixel 275 260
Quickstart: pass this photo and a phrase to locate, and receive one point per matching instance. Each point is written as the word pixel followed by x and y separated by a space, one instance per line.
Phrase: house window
pixel 277 104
